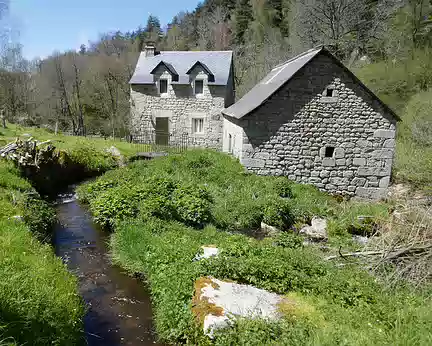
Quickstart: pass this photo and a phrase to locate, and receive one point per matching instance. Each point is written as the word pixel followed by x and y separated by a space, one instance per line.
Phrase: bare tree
pixel 336 23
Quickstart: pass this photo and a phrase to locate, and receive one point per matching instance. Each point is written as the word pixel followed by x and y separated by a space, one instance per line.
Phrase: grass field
pixel 162 211
pixel 39 303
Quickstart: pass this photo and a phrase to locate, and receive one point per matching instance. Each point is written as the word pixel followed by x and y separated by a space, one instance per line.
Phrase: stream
pixel 119 308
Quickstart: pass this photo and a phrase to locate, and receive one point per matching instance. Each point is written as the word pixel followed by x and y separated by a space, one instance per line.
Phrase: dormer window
pixel 199 87
pixel 163 86
pixel 329 92
pixel 201 66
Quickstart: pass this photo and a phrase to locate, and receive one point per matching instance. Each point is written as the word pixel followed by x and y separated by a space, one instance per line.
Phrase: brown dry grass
pixel 406 241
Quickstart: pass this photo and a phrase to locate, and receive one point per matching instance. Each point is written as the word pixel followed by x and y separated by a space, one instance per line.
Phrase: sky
pixel 48 25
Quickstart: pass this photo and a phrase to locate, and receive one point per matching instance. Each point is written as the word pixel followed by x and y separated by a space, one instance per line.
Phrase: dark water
pixel 119 309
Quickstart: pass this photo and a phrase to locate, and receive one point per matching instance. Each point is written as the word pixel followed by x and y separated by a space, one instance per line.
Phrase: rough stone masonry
pixel 343 143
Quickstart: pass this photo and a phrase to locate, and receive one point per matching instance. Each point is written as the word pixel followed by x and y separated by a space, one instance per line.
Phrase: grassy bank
pixel 406 86
pixel 163 211
pixel 74 158
pixel 39 303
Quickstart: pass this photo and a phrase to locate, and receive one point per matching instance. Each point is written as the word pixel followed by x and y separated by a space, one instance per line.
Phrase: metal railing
pixel 161 141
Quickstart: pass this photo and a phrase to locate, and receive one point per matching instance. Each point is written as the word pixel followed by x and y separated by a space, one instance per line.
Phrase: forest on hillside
pixel 387 43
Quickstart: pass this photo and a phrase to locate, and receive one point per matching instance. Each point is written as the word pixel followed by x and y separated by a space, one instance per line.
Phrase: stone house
pixel 312 120
pixel 179 95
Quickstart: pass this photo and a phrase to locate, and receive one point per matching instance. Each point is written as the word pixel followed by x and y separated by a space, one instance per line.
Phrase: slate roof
pixel 218 62
pixel 279 76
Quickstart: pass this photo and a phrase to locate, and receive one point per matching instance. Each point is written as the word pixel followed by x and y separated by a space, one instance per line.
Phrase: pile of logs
pixel 28 152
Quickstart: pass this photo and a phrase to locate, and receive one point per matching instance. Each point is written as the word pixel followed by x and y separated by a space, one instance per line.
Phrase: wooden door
pixel 162 131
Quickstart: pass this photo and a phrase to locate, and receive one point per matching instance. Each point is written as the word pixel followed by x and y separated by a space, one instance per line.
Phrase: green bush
pixel 278 213
pixel 89 157
pixel 289 240
pixel 157 206
pixel 192 205
pixel 358 218
pixel 417 119
pixel 283 187
pixel 308 202
pixel 112 205
pixel 40 217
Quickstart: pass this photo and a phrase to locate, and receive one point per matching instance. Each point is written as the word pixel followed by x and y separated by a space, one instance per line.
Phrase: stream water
pixel 119 309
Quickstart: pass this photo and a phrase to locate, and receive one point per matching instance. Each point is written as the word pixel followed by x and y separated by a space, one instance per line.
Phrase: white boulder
pixel 208 251
pixel 230 299
pixel 317 231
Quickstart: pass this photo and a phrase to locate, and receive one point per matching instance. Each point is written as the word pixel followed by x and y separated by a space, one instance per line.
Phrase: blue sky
pixel 48 25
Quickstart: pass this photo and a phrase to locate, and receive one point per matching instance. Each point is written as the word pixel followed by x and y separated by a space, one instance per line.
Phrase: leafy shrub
pixel 358 218
pixel 278 213
pixel 308 202
pixel 156 206
pixel 115 204
pixel 39 216
pixel 283 187
pixel 85 154
pixel 289 240
pixel 192 205
pixel 91 190
pixel 10 177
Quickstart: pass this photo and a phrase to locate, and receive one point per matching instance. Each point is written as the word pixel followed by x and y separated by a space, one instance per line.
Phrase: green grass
pixel 406 86
pixel 159 227
pixel 65 142
pixel 39 302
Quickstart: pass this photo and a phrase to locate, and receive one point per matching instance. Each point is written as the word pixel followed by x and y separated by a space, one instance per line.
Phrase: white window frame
pixel 159 86
pixel 194 87
pixel 193 120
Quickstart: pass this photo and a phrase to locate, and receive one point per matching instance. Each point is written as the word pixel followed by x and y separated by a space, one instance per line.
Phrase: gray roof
pixel 278 77
pixel 218 62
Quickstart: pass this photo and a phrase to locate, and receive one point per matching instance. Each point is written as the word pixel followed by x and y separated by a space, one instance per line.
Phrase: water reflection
pixel 119 309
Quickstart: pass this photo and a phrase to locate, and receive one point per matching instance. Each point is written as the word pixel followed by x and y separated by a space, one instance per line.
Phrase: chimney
pixel 150 49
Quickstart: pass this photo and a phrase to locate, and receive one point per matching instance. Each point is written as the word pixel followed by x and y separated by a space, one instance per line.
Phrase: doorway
pixel 162 131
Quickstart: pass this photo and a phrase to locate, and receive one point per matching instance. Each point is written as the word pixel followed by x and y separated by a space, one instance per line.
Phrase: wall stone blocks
pixel 384 133
pixel 295 126
pixel 371 192
pixel 180 105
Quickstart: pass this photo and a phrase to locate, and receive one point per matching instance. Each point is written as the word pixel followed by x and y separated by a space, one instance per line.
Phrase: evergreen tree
pixel 243 16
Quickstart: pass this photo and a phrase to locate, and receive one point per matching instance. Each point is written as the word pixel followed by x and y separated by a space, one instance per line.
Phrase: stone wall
pixel 288 135
pixel 180 105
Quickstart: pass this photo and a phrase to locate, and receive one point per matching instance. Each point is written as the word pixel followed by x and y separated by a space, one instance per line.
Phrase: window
pixel 329 151
pixel 199 87
pixel 329 92
pixel 163 86
pixel 230 148
pixel 197 125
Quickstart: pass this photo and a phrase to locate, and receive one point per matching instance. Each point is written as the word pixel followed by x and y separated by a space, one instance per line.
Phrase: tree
pixel 243 16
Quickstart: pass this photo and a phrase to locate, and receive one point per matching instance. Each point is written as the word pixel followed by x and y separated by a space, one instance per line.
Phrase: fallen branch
pixel 389 254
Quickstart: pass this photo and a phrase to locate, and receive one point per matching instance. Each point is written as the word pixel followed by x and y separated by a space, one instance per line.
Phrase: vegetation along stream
pixel 119 308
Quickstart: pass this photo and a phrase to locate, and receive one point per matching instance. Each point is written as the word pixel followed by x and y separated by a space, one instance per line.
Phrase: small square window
pixel 163 86
pixel 329 151
pixel 329 92
pixel 199 87
pixel 197 125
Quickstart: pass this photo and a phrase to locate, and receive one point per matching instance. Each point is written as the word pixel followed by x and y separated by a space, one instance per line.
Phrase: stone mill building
pixel 178 96
pixel 312 120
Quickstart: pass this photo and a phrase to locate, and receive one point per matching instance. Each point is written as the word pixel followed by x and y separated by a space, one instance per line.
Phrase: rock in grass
pixel 208 251
pixel 317 231
pixel 217 303
pixel 270 230
pixel 117 155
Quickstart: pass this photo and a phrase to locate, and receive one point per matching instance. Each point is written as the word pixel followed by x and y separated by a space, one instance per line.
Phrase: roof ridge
pixel 196 51
pixel 317 48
